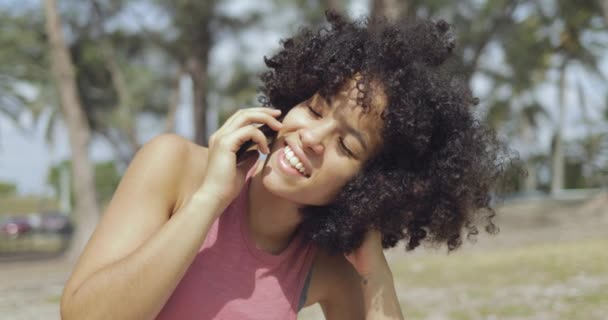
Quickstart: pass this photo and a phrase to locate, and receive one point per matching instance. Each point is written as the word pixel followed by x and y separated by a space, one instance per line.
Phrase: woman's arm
pixel 139 251
pixel 158 219
pixel 376 279
pixel 379 293
pixel 360 285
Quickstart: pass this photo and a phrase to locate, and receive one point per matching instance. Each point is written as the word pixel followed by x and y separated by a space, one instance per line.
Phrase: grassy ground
pixel 566 281
pixel 15 205
pixel 40 243
pixel 552 281
pixel 550 261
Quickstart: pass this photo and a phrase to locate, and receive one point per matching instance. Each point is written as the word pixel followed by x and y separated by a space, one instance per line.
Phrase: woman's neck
pixel 272 220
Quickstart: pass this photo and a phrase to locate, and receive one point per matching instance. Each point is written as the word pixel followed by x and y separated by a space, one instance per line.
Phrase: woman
pixel 375 143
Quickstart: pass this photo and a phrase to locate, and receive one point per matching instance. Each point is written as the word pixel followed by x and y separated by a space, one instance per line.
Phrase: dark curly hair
pixel 436 170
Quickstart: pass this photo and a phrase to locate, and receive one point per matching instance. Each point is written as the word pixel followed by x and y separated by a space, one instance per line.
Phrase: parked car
pixel 55 222
pixel 13 227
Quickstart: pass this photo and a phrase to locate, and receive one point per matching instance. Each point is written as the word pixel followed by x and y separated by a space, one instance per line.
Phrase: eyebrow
pixel 349 129
pixel 326 99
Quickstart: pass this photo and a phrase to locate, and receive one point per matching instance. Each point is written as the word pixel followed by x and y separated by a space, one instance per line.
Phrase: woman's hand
pixel 369 257
pixel 223 178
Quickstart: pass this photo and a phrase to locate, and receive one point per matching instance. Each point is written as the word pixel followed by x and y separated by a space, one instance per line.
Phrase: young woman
pixel 375 143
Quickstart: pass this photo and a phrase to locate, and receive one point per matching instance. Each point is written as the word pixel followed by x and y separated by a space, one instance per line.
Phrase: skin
pixel 168 199
pixel 346 287
pixel 315 126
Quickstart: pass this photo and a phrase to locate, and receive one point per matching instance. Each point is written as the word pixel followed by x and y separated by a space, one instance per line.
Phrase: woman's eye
pixel 346 149
pixel 314 112
pixel 341 141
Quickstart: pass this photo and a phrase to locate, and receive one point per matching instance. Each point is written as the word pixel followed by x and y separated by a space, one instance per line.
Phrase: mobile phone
pixel 249 147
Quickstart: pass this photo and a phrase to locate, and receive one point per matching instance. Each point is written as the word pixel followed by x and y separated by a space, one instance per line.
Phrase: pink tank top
pixel 231 278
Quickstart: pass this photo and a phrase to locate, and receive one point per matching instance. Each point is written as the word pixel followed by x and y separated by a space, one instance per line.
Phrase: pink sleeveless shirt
pixel 231 278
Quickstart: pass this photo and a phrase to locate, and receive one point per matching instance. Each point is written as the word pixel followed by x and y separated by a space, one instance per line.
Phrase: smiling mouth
pixel 291 161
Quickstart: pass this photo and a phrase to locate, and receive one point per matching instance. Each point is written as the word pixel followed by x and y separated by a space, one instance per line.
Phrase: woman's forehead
pixel 366 119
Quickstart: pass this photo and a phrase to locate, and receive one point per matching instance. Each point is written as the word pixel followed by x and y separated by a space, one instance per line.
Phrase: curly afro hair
pixel 438 166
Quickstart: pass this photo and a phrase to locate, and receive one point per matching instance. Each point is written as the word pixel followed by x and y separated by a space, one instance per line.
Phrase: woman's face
pixel 330 138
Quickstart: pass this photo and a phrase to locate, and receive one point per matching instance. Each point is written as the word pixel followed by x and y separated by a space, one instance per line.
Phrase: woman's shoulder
pixel 178 157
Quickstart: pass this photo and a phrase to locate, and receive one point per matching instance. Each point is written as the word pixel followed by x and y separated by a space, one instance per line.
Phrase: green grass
pixel 41 243
pixel 540 264
pixel 563 280
pixel 55 299
pixel 17 205
pixel 587 305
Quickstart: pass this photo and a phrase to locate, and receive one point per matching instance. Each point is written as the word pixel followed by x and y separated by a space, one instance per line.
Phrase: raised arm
pixel 363 288
pixel 376 279
pixel 147 238
pixel 158 219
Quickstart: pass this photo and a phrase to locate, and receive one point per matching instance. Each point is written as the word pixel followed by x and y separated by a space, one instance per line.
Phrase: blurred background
pixel 83 84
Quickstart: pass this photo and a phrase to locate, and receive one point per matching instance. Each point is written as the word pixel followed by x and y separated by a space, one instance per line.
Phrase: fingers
pixel 247 133
pixel 245 117
pixel 243 126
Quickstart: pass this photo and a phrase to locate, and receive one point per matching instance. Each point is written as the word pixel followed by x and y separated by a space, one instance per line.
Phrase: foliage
pixel 107 178
pixel 126 62
pixel 7 188
pixel 25 64
pixel 518 48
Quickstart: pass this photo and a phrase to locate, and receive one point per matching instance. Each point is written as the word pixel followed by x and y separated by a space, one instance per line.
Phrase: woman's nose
pixel 312 139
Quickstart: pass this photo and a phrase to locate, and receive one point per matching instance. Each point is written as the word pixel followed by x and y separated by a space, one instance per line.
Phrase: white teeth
pixel 293 160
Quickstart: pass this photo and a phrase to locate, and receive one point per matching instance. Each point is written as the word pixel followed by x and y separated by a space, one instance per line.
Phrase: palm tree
pixel 193 21
pixel 20 44
pixel 392 9
pixel 573 51
pixel 86 207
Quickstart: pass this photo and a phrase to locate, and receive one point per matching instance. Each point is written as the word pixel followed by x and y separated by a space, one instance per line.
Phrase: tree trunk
pixel 557 163
pixel 604 4
pixel 174 100
pixel 336 5
pixel 123 154
pixel 125 115
pixel 557 152
pixel 530 181
pixel 86 211
pixel 528 130
pixel 392 9
pixel 198 72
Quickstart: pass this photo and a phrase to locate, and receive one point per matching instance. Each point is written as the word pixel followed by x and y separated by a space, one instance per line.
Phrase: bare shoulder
pixel 192 170
pixel 183 159
pixel 148 193
pixel 165 150
pixel 169 146
pixel 175 155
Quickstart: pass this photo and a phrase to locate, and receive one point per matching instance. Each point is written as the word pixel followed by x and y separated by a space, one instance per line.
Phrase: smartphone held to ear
pixel 249 148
